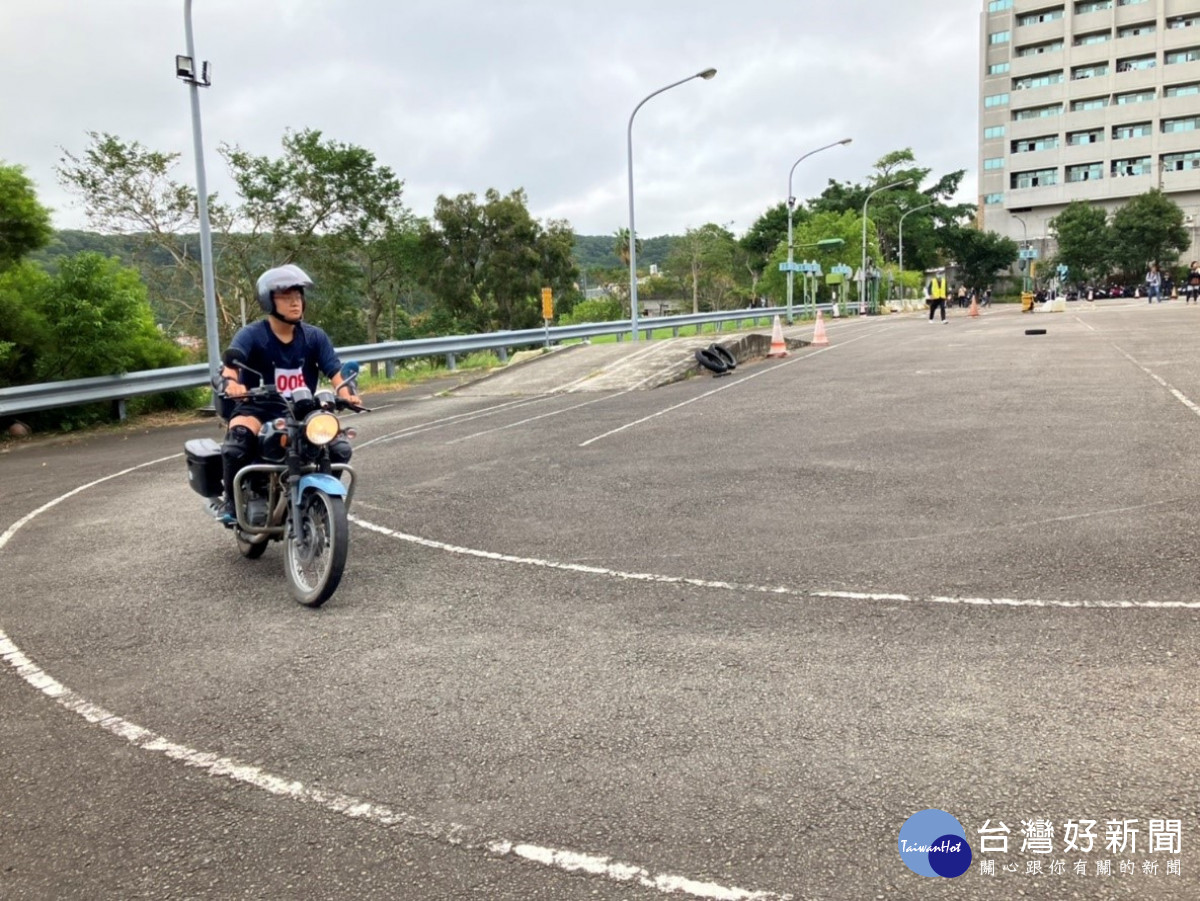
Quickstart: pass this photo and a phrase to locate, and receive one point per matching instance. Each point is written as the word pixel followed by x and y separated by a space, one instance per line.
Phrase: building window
pixel 1134 97
pixel 997 6
pixel 1079 138
pixel 1045 79
pixel 1134 63
pixel 1133 31
pixel 1085 172
pixel 998 68
pixel 1092 37
pixel 1177 162
pixel 1182 90
pixel 1035 49
pixel 1094 71
pixel 1188 55
pixel 1183 22
pixel 999 37
pixel 1092 6
pixel 1079 106
pixel 1044 15
pixel 995 162
pixel 1037 112
pixel 1137 165
pixel 1031 145
pixel 1186 123
pixel 1129 2
pixel 1037 178
pixel 1137 130
pixel 991 199
pixel 992 132
pixel 995 100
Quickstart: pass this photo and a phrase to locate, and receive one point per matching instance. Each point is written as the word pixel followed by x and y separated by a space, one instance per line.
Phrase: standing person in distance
pixel 288 352
pixel 1153 284
pixel 935 293
pixel 1191 290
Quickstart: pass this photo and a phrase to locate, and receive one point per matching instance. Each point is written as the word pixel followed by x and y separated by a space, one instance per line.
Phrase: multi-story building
pixel 1095 100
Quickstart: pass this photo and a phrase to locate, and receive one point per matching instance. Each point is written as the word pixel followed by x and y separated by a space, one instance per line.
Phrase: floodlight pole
pixel 212 335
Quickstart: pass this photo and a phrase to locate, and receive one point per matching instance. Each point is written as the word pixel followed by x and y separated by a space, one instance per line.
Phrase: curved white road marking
pixel 346 805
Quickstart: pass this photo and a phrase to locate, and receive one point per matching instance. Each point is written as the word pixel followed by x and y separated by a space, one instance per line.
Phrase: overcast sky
pixel 465 95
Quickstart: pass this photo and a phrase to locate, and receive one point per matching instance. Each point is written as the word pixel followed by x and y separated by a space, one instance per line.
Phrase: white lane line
pixel 346 805
pixel 468 416
pixel 725 387
pixel 513 425
pixel 358 808
pixel 746 588
pixel 1178 395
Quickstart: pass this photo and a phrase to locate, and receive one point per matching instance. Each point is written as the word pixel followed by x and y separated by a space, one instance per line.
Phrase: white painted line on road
pixel 513 425
pixel 725 387
pixel 421 427
pixel 346 805
pixel 745 588
pixel 1176 393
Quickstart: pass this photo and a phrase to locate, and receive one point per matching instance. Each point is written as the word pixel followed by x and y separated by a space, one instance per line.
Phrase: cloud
pixel 459 96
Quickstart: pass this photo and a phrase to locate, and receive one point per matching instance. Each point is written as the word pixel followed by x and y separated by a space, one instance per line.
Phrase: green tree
pixel 487 262
pixel 621 245
pixel 703 259
pixel 24 222
pixel 23 329
pixel 979 255
pixel 98 322
pixel 1149 228
pixel 763 237
pixel 1084 241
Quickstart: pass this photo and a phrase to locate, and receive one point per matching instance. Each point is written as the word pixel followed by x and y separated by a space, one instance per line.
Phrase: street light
pixel 902 218
pixel 185 70
pixel 862 287
pixel 633 301
pixel 1024 251
pixel 791 203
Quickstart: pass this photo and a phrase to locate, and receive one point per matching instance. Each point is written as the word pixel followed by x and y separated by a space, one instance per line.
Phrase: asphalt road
pixel 715 640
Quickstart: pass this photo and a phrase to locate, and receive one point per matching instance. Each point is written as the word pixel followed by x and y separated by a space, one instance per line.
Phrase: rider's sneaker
pixel 226 515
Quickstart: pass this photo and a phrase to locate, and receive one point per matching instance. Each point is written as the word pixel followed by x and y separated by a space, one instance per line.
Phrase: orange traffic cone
pixel 819 336
pixel 778 348
pixel 974 311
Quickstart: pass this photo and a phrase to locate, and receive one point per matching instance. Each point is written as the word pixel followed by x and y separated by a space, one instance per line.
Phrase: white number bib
pixel 288 380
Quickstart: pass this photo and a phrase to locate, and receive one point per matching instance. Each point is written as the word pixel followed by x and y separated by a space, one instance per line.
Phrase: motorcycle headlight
pixel 321 428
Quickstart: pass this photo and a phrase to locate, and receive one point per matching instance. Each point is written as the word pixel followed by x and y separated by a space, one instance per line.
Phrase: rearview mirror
pixel 350 369
pixel 233 357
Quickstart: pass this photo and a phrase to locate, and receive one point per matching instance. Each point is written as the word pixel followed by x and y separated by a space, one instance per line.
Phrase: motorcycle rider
pixel 286 350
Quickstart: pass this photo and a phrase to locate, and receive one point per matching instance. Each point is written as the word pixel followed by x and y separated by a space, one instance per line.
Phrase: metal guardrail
pixel 119 388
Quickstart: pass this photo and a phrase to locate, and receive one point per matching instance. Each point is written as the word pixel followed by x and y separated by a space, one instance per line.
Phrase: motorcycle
pixel 294 493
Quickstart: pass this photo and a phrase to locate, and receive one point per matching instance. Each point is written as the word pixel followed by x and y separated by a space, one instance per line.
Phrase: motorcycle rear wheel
pixel 315 559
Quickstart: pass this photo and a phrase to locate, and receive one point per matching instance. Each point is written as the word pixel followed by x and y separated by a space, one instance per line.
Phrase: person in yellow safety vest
pixel 935 294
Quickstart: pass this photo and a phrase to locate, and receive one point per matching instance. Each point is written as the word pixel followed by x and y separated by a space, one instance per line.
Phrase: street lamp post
pixel 633 301
pixel 186 70
pixel 862 284
pixel 791 203
pixel 901 241
pixel 1024 252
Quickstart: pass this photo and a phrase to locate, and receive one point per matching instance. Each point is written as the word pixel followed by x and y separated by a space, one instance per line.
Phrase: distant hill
pixel 596 251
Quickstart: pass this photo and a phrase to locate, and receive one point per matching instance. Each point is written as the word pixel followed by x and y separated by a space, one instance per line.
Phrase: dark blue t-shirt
pixel 288 366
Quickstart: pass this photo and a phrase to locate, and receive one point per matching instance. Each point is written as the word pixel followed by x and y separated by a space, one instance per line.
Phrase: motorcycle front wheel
pixel 314 559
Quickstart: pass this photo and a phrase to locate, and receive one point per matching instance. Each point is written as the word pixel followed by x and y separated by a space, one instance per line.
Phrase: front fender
pixel 321 481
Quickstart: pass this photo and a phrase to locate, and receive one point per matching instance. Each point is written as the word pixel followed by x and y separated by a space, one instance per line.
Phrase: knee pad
pixel 239 447
pixel 340 450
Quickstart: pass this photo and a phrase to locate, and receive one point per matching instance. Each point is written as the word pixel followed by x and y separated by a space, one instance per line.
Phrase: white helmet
pixel 281 278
